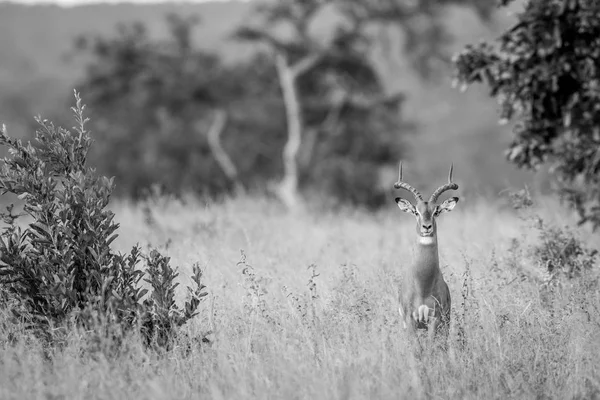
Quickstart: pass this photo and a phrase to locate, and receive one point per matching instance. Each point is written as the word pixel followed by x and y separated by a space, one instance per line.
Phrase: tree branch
pixel 360 102
pixel 365 103
pixel 259 35
pixel 306 63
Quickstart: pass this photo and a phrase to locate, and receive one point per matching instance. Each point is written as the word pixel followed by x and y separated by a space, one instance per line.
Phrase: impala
pixel 425 298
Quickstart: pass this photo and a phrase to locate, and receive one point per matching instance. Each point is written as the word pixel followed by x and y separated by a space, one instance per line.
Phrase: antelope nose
pixel 427 227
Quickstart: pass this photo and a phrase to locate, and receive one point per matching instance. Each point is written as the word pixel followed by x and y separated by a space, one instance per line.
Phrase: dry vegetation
pixel 305 306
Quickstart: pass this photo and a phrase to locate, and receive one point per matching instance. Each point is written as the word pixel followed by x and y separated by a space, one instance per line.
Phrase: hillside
pixel 38 71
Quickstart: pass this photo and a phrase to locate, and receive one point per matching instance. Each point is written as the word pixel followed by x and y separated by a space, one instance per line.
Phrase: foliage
pixel 340 118
pixel 59 267
pixel 357 123
pixel 562 254
pixel 559 254
pixel 164 316
pixel 156 100
pixel 423 27
pixel 544 73
pixel 349 119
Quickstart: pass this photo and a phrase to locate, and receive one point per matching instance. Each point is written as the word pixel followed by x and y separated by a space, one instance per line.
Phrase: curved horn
pixel 448 186
pixel 406 186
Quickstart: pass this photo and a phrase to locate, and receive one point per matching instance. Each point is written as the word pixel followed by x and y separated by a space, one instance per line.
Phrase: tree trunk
pixel 307 150
pixel 219 153
pixel 287 189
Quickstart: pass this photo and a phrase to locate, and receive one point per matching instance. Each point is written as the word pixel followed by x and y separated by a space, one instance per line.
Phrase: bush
pixel 559 255
pixel 59 269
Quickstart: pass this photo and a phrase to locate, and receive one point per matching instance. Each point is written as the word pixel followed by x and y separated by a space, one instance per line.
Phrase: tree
pixel 345 72
pixel 161 108
pixel 167 112
pixel 545 73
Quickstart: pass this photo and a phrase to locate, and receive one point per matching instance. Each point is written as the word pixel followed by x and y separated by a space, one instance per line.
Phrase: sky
pixel 70 3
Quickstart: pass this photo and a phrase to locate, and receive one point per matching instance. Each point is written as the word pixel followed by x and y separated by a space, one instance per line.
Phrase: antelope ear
pixel 406 206
pixel 447 205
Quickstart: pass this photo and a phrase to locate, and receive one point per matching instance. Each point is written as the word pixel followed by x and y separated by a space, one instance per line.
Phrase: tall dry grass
pixel 305 306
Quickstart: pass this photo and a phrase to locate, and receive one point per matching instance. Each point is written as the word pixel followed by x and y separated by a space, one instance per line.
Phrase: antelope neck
pixel 426 263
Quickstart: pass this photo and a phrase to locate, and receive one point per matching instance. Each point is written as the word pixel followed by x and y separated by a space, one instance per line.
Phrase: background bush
pixel 154 102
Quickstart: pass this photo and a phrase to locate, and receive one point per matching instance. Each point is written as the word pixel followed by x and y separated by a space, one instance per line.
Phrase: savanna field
pixel 304 305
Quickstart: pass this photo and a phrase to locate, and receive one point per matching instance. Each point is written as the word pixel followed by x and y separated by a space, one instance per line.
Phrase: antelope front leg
pixel 410 328
pixel 422 314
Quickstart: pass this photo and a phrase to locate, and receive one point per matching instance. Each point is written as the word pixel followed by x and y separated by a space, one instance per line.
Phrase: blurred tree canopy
pixel 308 112
pixel 335 102
pixel 545 72
pixel 160 108
pixel 169 113
pixel 331 87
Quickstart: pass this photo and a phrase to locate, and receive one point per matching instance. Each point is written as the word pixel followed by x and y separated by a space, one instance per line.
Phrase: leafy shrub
pixel 59 268
pixel 351 299
pixel 163 316
pixel 304 304
pixel 560 254
pixel 255 287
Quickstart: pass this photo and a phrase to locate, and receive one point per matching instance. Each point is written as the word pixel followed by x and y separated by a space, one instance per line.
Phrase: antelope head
pixel 426 211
